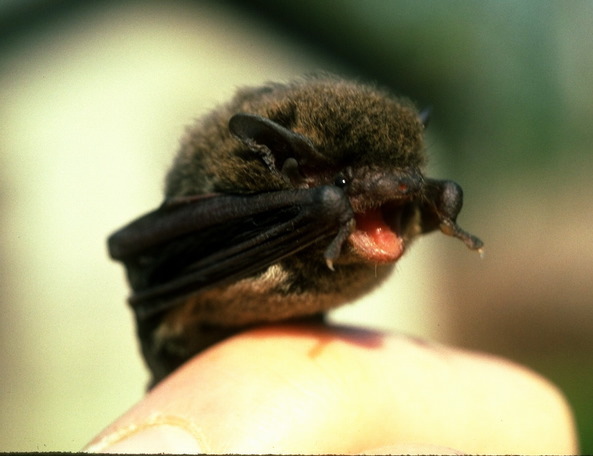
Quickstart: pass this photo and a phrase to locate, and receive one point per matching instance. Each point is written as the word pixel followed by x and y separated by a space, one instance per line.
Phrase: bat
pixel 290 200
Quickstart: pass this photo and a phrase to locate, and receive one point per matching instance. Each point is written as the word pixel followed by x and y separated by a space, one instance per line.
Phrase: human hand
pixel 319 389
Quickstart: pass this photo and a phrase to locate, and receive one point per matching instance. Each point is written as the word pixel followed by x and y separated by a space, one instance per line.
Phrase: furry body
pixel 306 134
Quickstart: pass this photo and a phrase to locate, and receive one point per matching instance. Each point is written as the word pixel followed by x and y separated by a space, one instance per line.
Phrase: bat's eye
pixel 340 181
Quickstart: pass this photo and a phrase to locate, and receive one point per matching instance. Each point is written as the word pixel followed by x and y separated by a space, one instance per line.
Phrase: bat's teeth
pixel 330 263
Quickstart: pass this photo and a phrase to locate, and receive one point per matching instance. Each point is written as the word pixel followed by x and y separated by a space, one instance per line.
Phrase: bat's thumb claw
pixel 335 247
pixel 450 228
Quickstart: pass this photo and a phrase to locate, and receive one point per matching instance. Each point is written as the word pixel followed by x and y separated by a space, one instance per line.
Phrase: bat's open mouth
pixel 379 235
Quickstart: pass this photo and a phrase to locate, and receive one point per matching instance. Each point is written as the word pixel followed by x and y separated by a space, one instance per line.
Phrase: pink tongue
pixel 374 240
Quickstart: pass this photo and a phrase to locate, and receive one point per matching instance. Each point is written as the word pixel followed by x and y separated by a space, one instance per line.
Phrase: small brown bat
pixel 288 201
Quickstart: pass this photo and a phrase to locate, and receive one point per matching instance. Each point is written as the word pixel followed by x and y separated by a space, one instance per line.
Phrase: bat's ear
pixel 278 146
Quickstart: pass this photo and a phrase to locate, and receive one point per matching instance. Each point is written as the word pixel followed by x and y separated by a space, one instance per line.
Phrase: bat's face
pixel 322 132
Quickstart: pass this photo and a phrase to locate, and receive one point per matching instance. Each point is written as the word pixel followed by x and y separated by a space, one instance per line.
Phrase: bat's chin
pixel 381 233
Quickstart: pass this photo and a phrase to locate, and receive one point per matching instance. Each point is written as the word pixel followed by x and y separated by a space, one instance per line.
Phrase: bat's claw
pixel 451 228
pixel 335 247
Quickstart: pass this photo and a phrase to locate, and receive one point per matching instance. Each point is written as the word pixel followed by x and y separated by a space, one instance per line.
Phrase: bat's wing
pixel 194 243
pixel 440 207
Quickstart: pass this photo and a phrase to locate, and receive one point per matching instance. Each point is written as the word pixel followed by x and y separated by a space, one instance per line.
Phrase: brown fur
pixel 349 123
pixel 361 130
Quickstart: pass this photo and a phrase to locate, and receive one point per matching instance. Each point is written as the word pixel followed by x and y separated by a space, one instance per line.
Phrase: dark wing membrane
pixel 187 246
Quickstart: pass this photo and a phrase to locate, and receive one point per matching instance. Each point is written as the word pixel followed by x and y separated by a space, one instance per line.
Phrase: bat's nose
pixel 394 187
pixel 377 188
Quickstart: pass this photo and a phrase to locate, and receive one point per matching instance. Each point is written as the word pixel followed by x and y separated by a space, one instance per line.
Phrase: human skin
pixel 317 389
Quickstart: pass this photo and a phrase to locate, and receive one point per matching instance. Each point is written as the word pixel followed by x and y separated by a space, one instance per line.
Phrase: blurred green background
pixel 93 99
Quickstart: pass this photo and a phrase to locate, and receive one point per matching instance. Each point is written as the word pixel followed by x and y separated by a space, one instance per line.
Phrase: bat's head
pixel 323 131
pixel 356 137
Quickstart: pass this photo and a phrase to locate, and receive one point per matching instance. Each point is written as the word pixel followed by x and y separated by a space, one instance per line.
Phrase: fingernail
pixel 161 438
